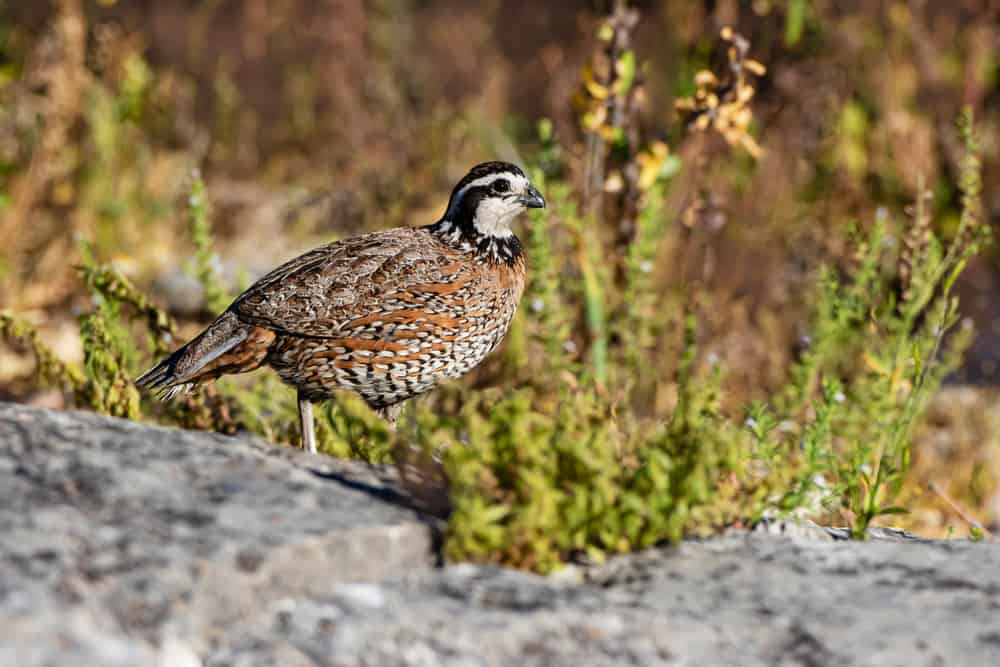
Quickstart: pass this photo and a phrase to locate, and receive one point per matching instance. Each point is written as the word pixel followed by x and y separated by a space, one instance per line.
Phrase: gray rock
pixel 735 600
pixel 122 544
pixel 116 537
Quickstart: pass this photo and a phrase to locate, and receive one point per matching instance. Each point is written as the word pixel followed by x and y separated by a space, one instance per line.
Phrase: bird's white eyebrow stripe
pixel 486 180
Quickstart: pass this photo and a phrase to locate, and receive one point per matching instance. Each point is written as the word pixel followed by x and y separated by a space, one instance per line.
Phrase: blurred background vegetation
pixel 310 121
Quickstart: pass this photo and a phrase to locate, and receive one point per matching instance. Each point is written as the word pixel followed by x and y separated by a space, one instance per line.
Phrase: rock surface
pixel 118 540
pixel 123 544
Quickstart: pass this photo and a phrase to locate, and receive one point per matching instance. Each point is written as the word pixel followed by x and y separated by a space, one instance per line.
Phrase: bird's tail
pixel 215 351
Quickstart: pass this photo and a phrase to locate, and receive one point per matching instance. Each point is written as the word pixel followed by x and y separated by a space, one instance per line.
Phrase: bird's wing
pixel 323 291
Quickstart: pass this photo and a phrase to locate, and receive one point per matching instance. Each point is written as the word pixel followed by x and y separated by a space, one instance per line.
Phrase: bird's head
pixel 486 201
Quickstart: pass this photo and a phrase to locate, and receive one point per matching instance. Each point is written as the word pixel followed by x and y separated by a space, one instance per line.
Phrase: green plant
pixel 880 349
pixel 217 297
pixel 49 369
pixel 539 477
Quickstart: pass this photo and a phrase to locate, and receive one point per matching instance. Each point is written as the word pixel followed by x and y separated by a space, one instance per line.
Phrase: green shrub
pixel 545 472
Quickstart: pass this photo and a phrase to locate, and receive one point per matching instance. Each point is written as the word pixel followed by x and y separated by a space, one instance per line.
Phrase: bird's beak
pixel 532 198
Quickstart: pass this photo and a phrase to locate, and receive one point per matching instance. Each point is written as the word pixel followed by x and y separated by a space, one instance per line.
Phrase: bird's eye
pixel 501 186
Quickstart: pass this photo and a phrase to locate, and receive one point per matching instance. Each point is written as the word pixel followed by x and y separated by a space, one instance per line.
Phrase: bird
pixel 387 315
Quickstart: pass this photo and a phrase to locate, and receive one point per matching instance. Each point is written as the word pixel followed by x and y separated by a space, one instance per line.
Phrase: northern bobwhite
pixel 387 314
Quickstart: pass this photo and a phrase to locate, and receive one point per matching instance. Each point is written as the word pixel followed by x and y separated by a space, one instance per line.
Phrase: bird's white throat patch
pixel 494 216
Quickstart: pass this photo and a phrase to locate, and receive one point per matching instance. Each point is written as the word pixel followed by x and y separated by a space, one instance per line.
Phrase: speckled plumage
pixel 387 314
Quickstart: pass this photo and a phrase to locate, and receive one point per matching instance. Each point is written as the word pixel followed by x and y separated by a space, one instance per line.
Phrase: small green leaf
pixel 892 510
pixel 626 69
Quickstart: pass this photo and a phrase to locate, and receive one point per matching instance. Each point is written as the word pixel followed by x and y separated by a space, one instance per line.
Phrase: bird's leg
pixel 306 427
pixel 411 419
